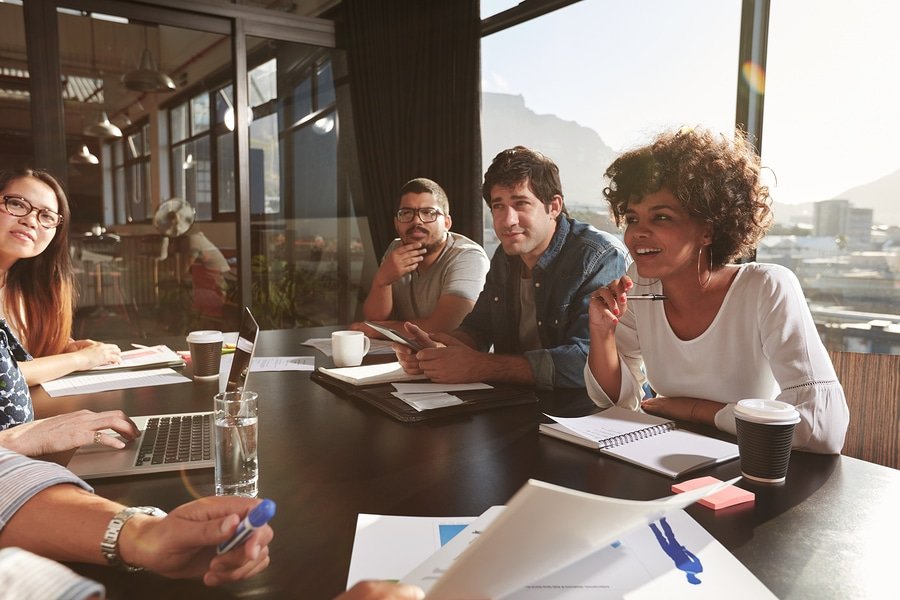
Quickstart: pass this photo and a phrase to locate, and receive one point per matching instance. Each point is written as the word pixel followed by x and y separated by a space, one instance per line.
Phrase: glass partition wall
pixel 163 239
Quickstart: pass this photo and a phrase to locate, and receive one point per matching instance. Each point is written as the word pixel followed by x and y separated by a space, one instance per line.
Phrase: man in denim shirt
pixel 533 309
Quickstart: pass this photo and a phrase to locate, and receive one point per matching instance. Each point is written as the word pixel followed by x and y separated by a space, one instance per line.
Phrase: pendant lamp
pixel 147 78
pixel 84 157
pixel 102 129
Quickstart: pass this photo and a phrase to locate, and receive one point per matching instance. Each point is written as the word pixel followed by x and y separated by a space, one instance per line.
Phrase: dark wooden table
pixel 829 532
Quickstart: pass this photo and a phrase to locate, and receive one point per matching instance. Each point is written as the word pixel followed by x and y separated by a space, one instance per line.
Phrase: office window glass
pixel 588 81
pixel 199 113
pixel 225 172
pixel 325 80
pixel 179 122
pixel 305 240
pixel 829 138
pixel 303 98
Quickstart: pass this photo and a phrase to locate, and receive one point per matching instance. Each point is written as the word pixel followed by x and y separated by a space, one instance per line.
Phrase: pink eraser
pixel 728 496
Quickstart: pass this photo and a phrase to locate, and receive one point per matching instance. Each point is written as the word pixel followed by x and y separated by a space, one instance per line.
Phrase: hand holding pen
pixel 256 518
pixel 612 298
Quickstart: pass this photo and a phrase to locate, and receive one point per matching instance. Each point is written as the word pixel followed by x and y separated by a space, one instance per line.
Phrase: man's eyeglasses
pixel 20 207
pixel 426 215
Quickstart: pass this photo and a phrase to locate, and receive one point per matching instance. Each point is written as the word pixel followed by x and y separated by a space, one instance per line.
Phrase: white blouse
pixel 762 344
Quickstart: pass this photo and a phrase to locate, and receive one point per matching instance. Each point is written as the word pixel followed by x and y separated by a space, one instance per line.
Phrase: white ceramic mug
pixel 348 348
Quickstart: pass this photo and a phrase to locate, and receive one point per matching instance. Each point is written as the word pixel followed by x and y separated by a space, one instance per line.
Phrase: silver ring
pixel 97 437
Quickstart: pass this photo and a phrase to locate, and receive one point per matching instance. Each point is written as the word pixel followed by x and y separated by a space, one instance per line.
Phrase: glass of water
pixel 237 464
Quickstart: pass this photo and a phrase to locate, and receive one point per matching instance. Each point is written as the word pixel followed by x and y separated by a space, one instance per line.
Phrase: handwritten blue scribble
pixel 681 556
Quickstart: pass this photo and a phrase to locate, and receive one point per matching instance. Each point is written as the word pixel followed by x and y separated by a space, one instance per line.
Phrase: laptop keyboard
pixel 176 439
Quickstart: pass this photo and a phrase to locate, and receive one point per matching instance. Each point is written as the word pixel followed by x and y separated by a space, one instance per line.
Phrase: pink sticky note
pixel 724 498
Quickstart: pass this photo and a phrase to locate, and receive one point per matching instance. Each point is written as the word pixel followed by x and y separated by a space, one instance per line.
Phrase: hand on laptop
pixel 67 431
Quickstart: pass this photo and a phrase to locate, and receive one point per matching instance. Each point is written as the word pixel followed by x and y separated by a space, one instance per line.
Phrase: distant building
pixel 840 219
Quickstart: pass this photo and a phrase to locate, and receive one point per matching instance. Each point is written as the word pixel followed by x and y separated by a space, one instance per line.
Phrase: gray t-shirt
pixel 459 271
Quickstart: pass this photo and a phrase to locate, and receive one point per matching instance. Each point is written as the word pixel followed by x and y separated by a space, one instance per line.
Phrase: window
pixel 585 82
pixel 131 175
pixel 198 150
pixel 829 136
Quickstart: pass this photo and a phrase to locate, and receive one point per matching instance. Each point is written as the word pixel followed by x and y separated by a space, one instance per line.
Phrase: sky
pixel 629 68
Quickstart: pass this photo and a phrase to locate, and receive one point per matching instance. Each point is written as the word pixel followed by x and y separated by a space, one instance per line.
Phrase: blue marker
pixel 255 519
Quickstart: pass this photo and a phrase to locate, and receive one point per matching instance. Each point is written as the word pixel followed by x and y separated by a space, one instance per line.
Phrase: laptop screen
pixel 243 353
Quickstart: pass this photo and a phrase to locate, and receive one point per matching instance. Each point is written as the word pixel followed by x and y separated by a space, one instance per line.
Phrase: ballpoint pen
pixel 255 519
pixel 646 297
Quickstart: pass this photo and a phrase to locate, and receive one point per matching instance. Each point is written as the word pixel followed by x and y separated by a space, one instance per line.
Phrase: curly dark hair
pixel 715 179
pixel 518 165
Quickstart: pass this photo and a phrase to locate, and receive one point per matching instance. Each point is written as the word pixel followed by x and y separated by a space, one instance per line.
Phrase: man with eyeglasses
pixel 429 275
pixel 533 310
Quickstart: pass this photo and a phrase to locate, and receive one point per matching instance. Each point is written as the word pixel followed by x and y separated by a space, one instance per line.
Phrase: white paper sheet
pixel 375 555
pixel 434 388
pixel 544 529
pixel 672 557
pixel 117 380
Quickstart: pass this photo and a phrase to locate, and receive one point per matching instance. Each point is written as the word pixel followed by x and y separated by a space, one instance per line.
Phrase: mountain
pixel 881 195
pixel 582 157
pixel 578 151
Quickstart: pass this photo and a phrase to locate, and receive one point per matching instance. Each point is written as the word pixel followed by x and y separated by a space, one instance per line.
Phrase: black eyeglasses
pixel 20 207
pixel 426 215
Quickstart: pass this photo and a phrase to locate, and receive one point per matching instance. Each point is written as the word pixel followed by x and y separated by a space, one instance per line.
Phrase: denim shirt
pixel 578 260
pixel 15 399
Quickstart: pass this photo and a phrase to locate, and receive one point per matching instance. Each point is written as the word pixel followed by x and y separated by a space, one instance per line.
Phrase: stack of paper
pixel 552 542
pixel 371 374
pixel 428 396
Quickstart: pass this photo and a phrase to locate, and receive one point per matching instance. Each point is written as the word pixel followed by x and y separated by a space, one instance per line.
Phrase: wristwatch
pixel 110 544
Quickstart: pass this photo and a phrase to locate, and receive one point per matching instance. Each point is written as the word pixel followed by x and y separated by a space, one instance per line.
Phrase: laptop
pixel 171 442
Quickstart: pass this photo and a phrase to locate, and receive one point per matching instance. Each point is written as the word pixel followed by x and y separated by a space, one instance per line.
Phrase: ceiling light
pixel 147 78
pixel 103 129
pixel 84 158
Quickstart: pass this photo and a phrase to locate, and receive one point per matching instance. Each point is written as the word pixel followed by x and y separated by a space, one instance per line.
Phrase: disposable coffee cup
pixel 206 353
pixel 765 430
pixel 348 348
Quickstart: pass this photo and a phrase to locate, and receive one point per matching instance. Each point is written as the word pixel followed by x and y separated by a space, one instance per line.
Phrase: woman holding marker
pixel 691 202
pixel 36 280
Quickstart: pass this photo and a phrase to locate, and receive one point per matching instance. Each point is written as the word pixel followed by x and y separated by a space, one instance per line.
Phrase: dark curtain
pixel 414 82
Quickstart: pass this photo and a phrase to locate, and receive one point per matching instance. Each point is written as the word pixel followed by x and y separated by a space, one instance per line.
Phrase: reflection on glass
pixel 263 84
pixel 307 253
pixel 265 181
pixel 199 114
pixel 179 116
pixel 225 167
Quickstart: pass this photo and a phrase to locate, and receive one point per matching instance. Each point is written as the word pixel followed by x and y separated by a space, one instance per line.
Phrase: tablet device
pixel 396 336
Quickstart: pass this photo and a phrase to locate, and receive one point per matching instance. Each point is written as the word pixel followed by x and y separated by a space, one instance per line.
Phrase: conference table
pixel 830 531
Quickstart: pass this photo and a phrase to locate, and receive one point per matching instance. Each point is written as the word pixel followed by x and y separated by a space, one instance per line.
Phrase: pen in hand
pixel 646 297
pixel 255 519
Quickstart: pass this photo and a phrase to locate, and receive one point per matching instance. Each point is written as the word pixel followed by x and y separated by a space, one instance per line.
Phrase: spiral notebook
pixel 644 440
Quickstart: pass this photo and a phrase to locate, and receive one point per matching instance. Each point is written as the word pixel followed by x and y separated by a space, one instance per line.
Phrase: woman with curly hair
pixel 692 202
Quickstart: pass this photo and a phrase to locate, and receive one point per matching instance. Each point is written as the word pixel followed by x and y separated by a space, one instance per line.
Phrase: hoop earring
pixel 704 284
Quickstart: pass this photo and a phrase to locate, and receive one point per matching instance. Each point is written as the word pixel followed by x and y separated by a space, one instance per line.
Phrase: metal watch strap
pixel 110 544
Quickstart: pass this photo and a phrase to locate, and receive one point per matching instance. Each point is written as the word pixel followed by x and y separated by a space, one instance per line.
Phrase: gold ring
pixel 97 437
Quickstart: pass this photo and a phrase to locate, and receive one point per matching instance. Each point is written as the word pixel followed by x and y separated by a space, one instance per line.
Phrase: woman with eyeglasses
pixel 36 307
